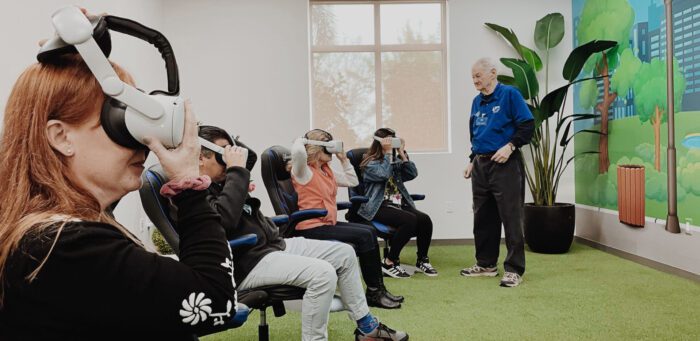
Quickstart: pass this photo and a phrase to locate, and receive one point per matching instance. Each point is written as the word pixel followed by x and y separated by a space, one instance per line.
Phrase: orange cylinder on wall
pixel 630 194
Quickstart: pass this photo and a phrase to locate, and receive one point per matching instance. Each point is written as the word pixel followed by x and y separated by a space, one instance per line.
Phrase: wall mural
pixel 631 104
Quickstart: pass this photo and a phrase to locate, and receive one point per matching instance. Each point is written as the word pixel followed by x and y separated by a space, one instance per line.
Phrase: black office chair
pixel 157 208
pixel 383 231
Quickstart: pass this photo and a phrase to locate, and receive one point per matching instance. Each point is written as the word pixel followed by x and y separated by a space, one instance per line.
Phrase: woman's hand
pixel 182 162
pixel 402 151
pixel 341 157
pixel 468 170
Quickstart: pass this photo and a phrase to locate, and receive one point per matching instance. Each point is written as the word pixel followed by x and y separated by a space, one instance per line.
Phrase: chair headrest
pixel 276 158
pixel 356 155
pixel 156 206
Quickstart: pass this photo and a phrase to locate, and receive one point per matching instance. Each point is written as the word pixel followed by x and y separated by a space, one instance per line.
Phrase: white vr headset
pixel 128 115
pixel 330 147
pixel 395 141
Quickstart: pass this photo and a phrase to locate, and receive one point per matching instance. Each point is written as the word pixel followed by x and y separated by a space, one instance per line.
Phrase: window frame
pixel 377 49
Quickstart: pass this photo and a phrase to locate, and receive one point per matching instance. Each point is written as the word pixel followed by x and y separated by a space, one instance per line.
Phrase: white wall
pixel 245 65
pixel 651 242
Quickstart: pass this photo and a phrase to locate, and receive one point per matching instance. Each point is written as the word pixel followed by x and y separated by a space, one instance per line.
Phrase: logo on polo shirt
pixel 496 109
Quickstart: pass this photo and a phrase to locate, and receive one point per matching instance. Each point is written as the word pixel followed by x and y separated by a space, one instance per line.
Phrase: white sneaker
pixel 478 271
pixel 511 279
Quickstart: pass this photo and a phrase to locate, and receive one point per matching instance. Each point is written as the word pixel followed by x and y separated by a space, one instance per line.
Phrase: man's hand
pixel 502 154
pixel 468 170
pixel 235 156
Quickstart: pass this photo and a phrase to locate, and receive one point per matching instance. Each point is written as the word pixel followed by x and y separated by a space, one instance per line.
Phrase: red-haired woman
pixel 68 270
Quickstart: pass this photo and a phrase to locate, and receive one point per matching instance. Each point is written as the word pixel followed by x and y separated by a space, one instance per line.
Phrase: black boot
pixel 395 298
pixel 378 298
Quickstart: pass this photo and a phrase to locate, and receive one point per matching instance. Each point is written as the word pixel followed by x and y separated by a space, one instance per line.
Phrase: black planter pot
pixel 549 229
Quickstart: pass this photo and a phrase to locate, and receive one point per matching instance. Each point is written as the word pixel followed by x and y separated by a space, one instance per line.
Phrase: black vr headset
pixel 128 115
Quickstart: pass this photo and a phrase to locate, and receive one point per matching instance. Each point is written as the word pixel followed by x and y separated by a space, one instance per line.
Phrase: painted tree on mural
pixel 605 20
pixel 648 81
pixel 650 97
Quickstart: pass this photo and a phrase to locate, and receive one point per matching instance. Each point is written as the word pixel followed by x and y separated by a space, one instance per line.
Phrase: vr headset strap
pixel 154 38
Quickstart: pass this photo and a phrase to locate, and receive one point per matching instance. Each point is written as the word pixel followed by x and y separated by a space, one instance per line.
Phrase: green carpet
pixel 585 294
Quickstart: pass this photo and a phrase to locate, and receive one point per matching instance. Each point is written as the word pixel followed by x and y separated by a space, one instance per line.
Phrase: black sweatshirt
pixel 97 284
pixel 240 215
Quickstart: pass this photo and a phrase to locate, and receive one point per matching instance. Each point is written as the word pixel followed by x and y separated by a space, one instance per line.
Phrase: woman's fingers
pixel 189 137
pixel 155 146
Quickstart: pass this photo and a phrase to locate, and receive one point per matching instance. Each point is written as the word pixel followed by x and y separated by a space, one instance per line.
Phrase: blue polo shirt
pixel 494 120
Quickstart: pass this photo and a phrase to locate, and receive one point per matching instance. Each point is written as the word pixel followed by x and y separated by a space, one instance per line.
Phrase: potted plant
pixel 549 225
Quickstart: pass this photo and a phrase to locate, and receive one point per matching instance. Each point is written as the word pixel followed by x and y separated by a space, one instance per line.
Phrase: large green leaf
pixel 524 52
pixel 508 35
pixel 537 114
pixel 565 140
pixel 578 57
pixel 574 117
pixel 551 103
pixel 525 78
pixel 531 57
pixel 549 31
pixel 505 79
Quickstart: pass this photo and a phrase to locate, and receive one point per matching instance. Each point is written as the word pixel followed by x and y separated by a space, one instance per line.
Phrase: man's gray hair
pixel 485 63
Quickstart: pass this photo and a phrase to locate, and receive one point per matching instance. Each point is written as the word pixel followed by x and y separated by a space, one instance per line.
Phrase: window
pixel 380 64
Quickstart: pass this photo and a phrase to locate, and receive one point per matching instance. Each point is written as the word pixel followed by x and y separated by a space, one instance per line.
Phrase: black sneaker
pixel 395 298
pixel 395 270
pixel 476 271
pixel 423 265
pixel 383 333
pixel 377 298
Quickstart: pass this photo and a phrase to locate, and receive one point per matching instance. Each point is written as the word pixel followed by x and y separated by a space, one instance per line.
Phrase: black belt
pixel 483 156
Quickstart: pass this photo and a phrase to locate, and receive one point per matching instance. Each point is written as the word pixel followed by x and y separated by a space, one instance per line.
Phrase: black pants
pixel 409 223
pixel 498 193
pixel 362 238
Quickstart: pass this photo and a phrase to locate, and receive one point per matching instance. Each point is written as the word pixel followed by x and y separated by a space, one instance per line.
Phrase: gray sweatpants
pixel 319 266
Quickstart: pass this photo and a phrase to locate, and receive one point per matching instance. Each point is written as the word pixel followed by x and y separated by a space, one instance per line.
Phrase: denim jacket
pixel 375 177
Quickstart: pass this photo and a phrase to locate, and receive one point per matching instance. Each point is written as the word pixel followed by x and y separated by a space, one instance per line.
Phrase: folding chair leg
pixel 263 328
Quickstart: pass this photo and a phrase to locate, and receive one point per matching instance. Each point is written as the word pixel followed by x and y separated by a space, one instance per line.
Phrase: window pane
pixel 411 23
pixel 342 25
pixel 344 96
pixel 412 99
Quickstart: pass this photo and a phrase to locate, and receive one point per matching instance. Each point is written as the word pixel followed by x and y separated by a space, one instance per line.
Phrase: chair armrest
pixel 245 240
pixel 359 199
pixel 239 317
pixel 302 215
pixel 343 205
pixel 280 219
pixel 417 197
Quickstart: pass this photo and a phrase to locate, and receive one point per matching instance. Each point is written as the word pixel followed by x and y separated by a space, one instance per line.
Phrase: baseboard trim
pixel 639 260
pixel 607 249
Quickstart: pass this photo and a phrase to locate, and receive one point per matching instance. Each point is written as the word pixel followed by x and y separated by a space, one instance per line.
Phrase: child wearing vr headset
pixel 317 185
pixel 72 145
pixel 319 266
pixel 385 168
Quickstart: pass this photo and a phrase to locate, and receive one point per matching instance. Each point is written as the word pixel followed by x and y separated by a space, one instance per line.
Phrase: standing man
pixel 500 123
